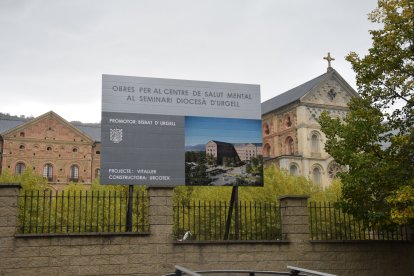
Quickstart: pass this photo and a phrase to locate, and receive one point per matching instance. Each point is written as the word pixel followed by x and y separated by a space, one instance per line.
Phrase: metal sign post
pixel 234 201
pixel 128 227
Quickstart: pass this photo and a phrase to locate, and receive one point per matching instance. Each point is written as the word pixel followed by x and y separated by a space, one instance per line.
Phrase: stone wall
pixel 157 253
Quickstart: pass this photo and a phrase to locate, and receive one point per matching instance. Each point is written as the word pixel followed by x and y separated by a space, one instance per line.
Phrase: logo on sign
pixel 115 135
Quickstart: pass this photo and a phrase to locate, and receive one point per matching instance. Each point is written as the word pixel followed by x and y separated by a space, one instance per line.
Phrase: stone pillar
pixel 161 212
pixel 295 218
pixel 9 208
pixel 160 220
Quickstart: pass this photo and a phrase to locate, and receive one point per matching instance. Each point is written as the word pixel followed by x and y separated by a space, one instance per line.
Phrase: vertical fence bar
pixel 143 208
pixel 97 211
pixel 137 210
pixel 109 212
pixel 31 210
pixel 37 210
pixel 67 213
pixel 50 211
pixel 80 212
pixel 61 212
pixel 204 220
pixel 194 218
pixel 251 220
pixel 245 221
pixel 209 219
pixel 43 212
pixel 178 220
pixel 86 211
pixel 216 219
pixel 330 219
pixel 93 196
pixel 199 216
pixel 255 220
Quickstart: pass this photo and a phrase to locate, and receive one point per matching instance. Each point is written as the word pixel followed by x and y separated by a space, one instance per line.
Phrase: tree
pixel 376 139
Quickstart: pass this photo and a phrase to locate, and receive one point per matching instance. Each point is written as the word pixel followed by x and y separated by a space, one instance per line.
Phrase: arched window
pixel 289 146
pixel 293 170
pixel 315 142
pixel 317 175
pixel 74 173
pixel 266 128
pixel 97 173
pixel 266 150
pixel 288 121
pixel 19 168
pixel 48 172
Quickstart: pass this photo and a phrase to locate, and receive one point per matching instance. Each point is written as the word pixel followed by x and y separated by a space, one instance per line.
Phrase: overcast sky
pixel 53 53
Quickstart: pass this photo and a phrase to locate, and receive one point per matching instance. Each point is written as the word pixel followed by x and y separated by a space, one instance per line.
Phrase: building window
pixel 266 128
pixel 288 122
pixel 97 173
pixel 22 147
pixel 74 173
pixel 316 174
pixel 293 170
pixel 266 150
pixel 334 168
pixel 315 143
pixel 290 147
pixel 48 172
pixel 19 169
pixel 75 150
pixel 21 134
pixel 49 148
pixel 98 152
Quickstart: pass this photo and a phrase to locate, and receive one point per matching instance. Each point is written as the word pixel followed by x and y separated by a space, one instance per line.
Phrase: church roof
pixel 291 95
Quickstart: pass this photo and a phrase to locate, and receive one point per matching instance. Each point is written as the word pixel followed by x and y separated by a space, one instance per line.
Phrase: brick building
pixel 52 147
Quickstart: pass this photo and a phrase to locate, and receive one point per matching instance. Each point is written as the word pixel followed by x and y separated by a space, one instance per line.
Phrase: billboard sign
pixel 167 132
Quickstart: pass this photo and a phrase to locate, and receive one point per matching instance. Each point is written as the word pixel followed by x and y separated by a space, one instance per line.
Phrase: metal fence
pixel 206 221
pixel 329 222
pixel 60 212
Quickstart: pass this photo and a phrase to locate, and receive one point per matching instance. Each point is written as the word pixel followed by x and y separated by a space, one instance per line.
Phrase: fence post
pixel 9 208
pixel 295 217
pixel 160 212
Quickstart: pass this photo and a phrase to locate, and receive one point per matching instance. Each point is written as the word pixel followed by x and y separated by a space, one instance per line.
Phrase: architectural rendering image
pixel 215 155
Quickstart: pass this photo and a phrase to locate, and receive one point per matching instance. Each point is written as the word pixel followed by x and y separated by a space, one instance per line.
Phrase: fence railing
pixel 206 221
pixel 60 212
pixel 329 222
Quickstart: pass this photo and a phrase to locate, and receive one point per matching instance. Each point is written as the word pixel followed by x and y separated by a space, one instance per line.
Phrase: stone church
pixel 292 139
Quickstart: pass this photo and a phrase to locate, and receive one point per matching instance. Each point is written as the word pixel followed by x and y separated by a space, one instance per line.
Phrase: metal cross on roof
pixel 329 59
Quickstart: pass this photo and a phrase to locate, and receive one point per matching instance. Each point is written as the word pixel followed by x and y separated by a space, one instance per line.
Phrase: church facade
pixel 292 139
